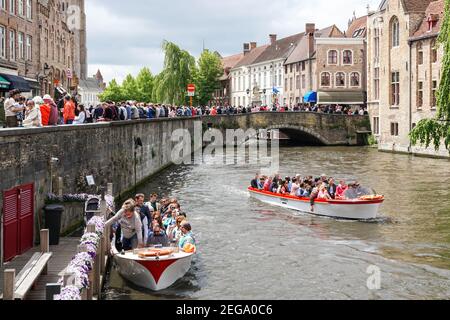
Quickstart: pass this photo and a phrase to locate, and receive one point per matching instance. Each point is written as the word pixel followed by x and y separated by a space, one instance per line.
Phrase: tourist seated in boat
pixel 157 237
pixel 295 187
pixel 153 204
pixel 156 216
pixel 274 187
pixel 289 184
pixel 355 191
pixel 130 224
pixel 255 182
pixel 174 233
pixel 284 188
pixel 187 237
pixel 323 193
pixel 340 190
pixel 267 184
pixel 332 188
pixel 144 213
pixel 164 206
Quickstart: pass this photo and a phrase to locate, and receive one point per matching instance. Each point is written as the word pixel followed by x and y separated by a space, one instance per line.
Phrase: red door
pixel 18 208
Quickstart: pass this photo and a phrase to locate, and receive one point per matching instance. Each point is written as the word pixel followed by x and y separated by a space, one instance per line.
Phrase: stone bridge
pixel 306 128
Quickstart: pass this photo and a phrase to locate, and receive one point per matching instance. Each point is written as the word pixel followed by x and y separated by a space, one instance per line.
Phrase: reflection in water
pixel 249 250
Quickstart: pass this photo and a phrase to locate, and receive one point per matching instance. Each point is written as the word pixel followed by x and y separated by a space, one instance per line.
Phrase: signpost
pixel 191 92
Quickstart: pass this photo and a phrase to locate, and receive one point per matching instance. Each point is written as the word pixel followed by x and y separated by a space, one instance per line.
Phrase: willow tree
pixel 179 67
pixel 433 131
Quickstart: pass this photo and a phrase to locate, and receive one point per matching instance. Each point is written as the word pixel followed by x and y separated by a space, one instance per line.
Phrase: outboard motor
pixel 92 208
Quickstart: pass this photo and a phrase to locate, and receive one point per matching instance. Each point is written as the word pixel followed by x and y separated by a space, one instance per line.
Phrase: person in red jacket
pixel 45 112
pixel 69 110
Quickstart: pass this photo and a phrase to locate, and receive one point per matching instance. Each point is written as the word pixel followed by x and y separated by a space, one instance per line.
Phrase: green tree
pixel 209 71
pixel 433 131
pixel 130 89
pixel 113 92
pixel 179 68
pixel 144 82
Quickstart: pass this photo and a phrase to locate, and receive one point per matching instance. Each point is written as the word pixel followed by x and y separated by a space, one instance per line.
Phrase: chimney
pixel 253 45
pixel 246 48
pixel 310 29
pixel 273 39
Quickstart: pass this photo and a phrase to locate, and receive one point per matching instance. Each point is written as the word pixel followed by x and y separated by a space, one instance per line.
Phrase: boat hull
pixel 348 209
pixel 154 274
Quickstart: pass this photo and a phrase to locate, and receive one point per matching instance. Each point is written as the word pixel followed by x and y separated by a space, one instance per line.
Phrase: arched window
pixel 434 51
pixel 325 79
pixel 332 57
pixel 395 32
pixel 340 79
pixel 354 79
pixel 347 57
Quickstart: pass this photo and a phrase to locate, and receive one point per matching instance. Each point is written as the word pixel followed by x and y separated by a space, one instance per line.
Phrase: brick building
pixel 403 70
pixel 300 67
pixel 39 52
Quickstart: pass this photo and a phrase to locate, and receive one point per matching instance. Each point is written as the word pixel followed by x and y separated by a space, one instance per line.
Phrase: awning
pixel 17 82
pixel 4 84
pixel 310 97
pixel 341 97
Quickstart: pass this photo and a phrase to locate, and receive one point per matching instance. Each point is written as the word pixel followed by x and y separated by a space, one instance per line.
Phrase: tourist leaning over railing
pixel 32 115
pixel 131 226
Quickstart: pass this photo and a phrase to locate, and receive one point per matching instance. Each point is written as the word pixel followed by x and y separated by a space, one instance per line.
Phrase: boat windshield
pixel 355 193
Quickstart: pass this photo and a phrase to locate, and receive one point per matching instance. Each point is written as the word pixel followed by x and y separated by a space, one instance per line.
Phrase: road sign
pixel 191 93
pixel 191 87
pixel 69 73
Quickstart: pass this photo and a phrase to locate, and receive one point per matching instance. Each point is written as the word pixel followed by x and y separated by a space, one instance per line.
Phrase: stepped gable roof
pixel 435 11
pixel 301 51
pixel 358 28
pixel 250 57
pixel 281 49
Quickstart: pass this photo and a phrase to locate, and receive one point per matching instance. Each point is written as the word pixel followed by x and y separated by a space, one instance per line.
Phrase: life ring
pixel 155 253
pixel 371 198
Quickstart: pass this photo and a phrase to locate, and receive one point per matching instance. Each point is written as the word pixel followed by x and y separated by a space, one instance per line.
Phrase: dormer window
pixel 432 21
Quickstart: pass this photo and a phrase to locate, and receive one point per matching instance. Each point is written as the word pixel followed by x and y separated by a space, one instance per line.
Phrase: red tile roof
pixel 358 28
pixel 228 63
pixel 250 57
pixel 416 5
pixel 436 11
pixel 281 49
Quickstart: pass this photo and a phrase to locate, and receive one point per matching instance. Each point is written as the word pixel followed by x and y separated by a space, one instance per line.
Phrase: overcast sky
pixel 124 36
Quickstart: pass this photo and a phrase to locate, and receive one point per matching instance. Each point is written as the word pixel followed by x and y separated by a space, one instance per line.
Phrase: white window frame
pixel 29 9
pixel 12 7
pixel 345 80
pixel 337 58
pixel 21 44
pixel 29 48
pixel 12 45
pixel 21 8
pixel 351 60
pixel 331 79
pixel 3 42
pixel 350 79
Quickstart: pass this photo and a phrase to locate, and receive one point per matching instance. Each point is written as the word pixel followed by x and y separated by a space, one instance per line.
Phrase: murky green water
pixel 249 250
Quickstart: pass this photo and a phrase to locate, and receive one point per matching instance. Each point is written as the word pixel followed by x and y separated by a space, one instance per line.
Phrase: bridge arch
pixel 301 134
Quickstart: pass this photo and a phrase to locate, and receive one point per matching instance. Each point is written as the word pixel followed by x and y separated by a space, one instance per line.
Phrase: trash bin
pixel 53 214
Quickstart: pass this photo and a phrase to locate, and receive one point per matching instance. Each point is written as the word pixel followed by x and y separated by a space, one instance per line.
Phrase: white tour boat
pixel 364 208
pixel 152 268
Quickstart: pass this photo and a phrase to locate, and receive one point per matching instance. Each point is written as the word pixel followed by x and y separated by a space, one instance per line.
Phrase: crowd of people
pixel 154 223
pixel 322 188
pixel 44 111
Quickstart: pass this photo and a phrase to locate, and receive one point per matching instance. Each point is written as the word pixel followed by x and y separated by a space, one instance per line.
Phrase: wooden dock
pixel 62 255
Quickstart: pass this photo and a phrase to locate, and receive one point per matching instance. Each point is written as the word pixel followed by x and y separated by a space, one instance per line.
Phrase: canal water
pixel 249 250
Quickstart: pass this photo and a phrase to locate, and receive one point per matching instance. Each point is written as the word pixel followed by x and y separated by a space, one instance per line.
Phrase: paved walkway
pixel 62 255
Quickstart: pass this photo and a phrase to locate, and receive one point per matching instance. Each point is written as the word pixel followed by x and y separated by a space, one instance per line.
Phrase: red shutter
pixel 10 225
pixel 26 217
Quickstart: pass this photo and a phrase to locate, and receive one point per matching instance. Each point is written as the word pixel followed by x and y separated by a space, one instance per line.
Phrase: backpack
pixel 122 114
